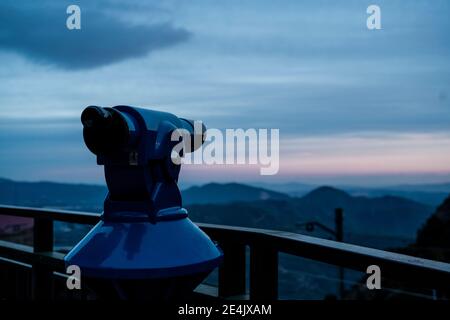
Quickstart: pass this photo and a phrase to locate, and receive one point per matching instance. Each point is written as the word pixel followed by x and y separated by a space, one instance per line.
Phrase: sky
pixel 353 105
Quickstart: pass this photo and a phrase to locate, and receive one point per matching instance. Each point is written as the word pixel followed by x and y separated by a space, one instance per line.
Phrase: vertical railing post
pixel 232 269
pixel 42 275
pixel 263 272
pixel 339 226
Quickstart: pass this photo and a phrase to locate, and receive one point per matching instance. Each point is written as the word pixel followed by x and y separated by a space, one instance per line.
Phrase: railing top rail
pixel 327 251
pixel 52 214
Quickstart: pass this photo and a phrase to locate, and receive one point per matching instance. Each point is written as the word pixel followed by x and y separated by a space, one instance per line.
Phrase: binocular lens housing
pixel 110 130
pixel 106 130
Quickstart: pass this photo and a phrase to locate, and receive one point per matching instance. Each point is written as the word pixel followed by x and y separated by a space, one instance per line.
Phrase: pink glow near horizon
pixel 333 156
pixel 347 155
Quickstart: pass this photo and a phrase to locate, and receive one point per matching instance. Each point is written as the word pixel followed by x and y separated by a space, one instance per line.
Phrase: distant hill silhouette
pixel 327 194
pixel 436 231
pixel 243 205
pixel 228 192
pixel 90 197
pixel 388 215
pixel 50 194
pixel 431 194
pixel 433 239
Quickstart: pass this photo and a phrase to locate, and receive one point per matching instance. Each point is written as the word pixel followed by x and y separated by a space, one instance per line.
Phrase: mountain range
pixel 379 216
pixel 244 205
pixel 86 197
pixel 230 192
pixel 431 194
pixel 82 197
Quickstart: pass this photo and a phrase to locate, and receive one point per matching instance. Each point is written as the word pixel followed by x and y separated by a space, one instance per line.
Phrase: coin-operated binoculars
pixel 145 246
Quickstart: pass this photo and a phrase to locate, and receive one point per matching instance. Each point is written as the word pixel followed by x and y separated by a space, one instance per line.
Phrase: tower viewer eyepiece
pixel 95 116
pixel 108 130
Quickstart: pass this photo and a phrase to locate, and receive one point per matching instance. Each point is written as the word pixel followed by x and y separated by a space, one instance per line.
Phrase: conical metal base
pixel 143 250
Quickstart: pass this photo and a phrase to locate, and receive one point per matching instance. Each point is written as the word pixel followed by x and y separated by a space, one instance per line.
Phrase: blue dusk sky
pixel 352 105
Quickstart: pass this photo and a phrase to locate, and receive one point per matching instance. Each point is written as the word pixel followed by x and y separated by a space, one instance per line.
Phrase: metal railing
pixel 264 246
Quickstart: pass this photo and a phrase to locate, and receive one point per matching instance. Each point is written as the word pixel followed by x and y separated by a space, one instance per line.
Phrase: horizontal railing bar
pixel 293 243
pixel 57 215
pixel 355 257
pixel 399 266
pixel 24 254
pixel 15 263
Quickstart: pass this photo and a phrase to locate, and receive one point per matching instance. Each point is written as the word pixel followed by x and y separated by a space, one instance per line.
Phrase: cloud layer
pixel 40 34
